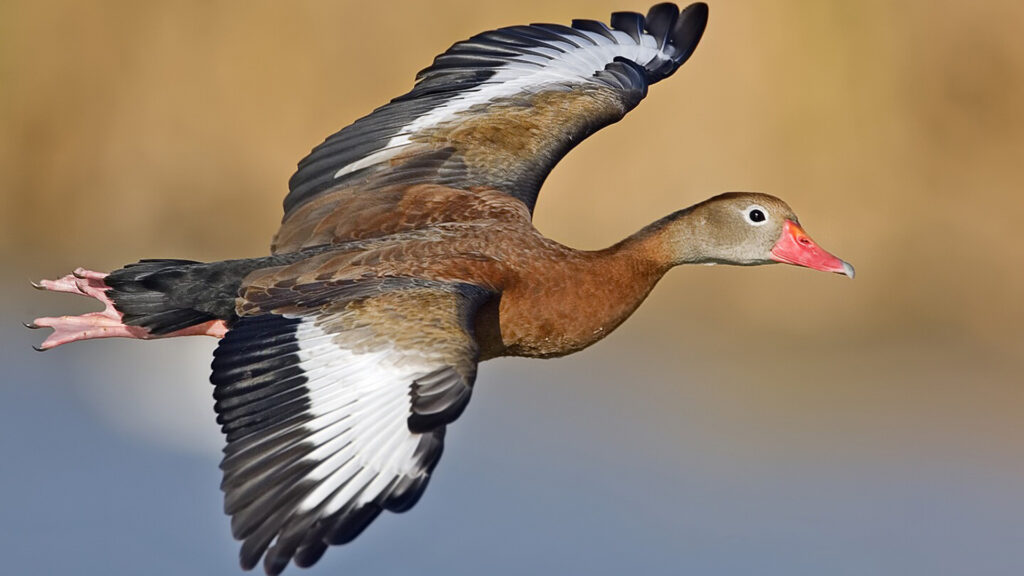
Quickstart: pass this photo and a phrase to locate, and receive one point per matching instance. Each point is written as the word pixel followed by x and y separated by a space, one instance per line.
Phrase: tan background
pixel 895 130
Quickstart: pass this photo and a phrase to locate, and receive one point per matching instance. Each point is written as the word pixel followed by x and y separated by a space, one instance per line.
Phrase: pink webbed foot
pixel 105 324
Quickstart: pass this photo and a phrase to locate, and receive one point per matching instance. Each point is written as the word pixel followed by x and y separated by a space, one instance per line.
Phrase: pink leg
pixel 105 324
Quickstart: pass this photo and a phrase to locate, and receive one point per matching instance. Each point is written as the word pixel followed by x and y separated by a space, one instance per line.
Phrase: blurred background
pixel 744 421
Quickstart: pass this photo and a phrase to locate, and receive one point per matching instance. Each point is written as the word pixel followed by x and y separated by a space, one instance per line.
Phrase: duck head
pixel 746 229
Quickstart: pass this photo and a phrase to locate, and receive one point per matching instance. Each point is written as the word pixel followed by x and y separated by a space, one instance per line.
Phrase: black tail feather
pixel 165 296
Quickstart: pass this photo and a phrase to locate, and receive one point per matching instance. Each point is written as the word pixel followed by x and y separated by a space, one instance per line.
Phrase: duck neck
pixel 563 304
pixel 665 243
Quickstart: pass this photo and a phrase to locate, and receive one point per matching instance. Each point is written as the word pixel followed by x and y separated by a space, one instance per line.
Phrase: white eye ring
pixel 755 215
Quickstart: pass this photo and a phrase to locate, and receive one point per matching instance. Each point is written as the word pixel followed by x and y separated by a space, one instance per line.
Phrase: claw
pixel 36 285
pixel 38 348
pixel 31 325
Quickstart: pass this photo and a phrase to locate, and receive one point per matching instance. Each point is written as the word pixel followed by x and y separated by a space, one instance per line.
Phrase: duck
pixel 405 257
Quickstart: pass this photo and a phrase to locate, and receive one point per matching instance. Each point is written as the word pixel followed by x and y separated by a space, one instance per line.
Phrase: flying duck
pixel 407 256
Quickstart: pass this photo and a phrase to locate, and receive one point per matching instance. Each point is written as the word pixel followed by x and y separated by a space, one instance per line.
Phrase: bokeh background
pixel 744 421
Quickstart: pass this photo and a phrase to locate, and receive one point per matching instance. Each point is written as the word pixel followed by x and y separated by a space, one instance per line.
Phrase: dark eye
pixel 755 214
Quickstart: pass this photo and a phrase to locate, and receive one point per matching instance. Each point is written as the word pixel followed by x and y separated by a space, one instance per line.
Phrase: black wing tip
pixel 677 33
pixel 697 8
pixel 309 553
pixel 660 20
pixel 631 23
pixel 689 29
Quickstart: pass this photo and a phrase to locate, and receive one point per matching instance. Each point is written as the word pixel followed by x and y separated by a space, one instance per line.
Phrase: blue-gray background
pixel 745 421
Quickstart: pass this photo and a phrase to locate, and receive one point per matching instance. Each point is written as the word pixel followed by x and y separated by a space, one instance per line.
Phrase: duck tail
pixel 165 296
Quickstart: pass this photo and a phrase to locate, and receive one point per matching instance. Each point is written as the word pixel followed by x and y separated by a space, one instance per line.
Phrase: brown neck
pixel 559 306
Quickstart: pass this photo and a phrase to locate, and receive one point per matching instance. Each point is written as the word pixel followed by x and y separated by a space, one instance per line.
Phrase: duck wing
pixel 495 112
pixel 334 401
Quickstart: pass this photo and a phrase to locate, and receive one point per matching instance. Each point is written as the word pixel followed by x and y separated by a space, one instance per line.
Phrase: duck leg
pixel 105 324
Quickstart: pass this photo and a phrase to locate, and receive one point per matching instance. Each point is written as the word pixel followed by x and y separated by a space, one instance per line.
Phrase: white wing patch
pixel 528 73
pixel 360 403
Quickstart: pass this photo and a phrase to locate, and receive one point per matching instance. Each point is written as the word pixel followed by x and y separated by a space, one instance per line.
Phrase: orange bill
pixel 796 247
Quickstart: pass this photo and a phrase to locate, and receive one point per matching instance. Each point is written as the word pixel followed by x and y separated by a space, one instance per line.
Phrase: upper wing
pixel 500 109
pixel 335 408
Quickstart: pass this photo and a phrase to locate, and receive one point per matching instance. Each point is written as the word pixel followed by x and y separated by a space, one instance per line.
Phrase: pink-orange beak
pixel 796 247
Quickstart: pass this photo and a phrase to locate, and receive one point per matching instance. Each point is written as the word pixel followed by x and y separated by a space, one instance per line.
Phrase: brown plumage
pixel 406 256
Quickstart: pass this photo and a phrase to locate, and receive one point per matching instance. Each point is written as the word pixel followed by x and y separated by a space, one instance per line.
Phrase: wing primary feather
pixel 468 60
pixel 482 47
pixel 515 36
pixel 539 33
pixel 660 21
pixel 568 34
pixel 247 486
pixel 309 552
pixel 688 29
pixel 631 23
pixel 595 27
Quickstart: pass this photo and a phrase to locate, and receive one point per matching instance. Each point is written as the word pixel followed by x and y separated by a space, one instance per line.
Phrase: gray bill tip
pixel 848 269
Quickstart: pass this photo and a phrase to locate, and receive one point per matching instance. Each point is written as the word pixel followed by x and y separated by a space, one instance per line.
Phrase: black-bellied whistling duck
pixel 406 256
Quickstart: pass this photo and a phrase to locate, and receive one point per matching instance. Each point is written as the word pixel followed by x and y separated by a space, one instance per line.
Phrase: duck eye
pixel 756 215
